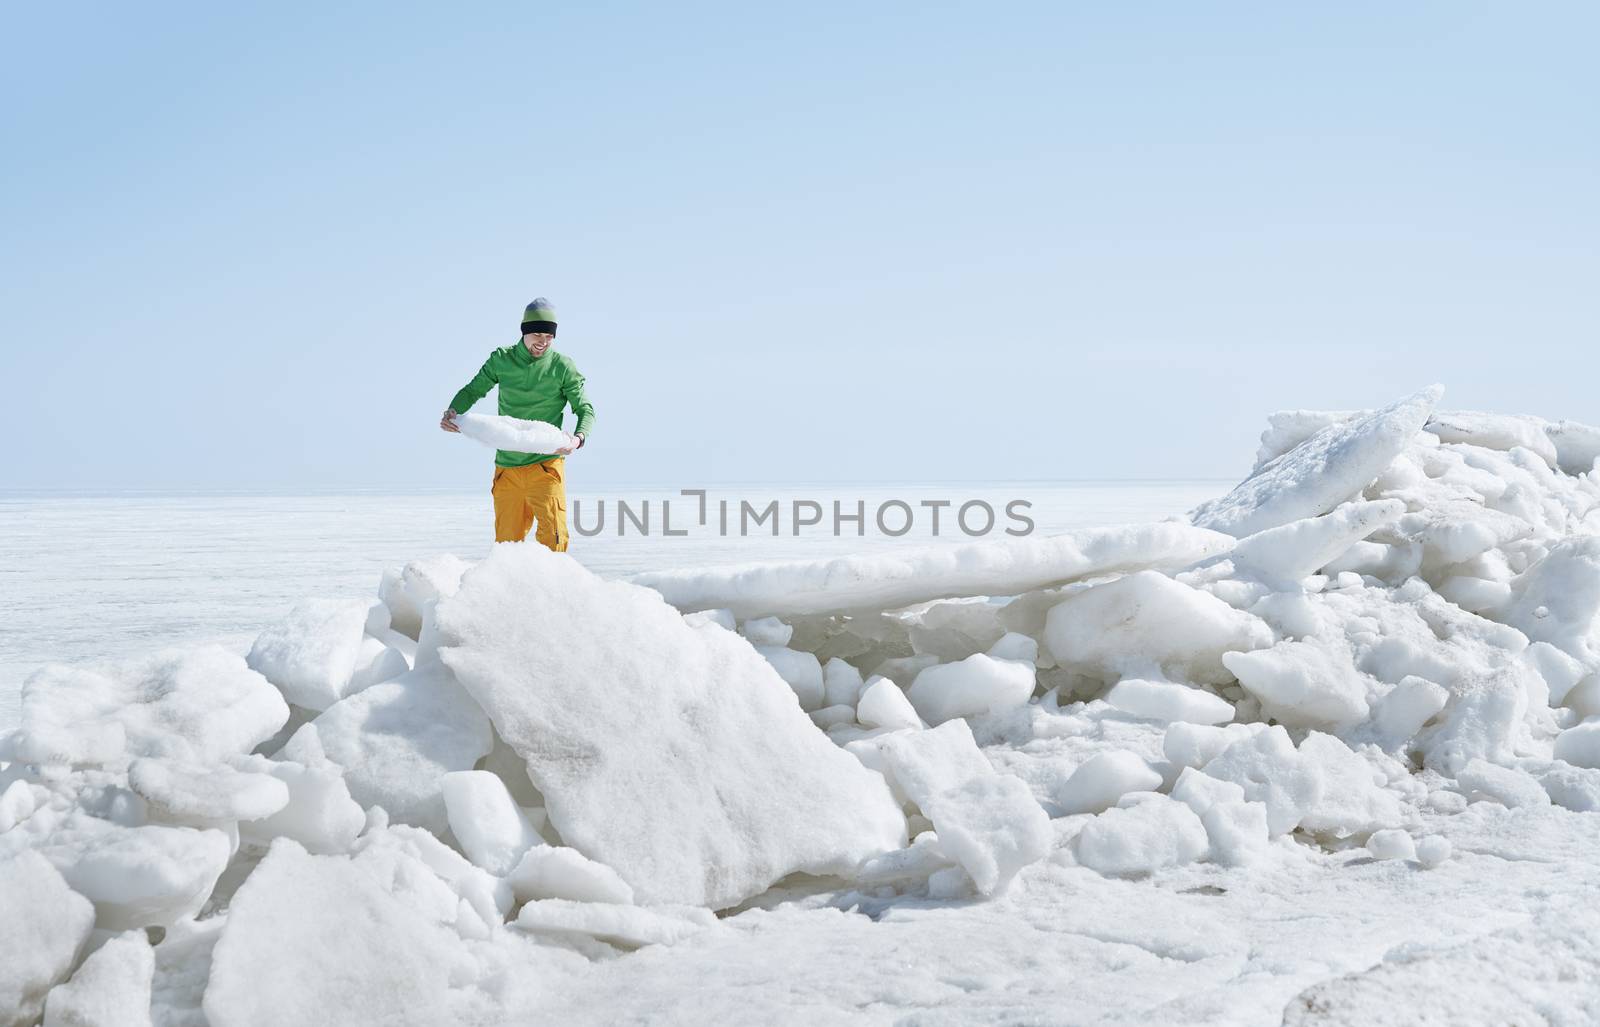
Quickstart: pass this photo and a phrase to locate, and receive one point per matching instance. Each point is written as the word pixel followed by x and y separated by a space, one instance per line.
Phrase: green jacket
pixel 534 390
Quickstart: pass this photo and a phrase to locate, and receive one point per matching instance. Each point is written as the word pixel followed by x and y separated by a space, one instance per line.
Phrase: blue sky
pixel 261 248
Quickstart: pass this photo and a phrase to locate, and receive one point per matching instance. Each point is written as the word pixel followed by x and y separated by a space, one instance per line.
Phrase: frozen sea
pixel 87 577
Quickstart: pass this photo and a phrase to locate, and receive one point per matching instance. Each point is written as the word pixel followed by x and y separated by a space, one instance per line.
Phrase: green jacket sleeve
pixel 486 378
pixel 572 389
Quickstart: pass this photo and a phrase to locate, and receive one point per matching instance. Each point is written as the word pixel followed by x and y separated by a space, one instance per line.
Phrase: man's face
pixel 538 342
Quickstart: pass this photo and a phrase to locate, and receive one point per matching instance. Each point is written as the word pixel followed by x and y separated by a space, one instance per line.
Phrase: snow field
pixel 505 774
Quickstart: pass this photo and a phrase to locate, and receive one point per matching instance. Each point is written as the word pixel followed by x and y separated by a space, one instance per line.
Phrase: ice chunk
pixel 16 804
pixel 1433 850
pixel 401 848
pixel 144 876
pixel 1580 745
pixel 923 857
pixel 1302 684
pixel 1125 624
pixel 800 670
pixel 841 683
pixel 1574 788
pixel 1141 839
pixel 754 792
pixel 190 793
pixel 1200 791
pixel 314 939
pixel 1391 562
pixel 1392 843
pixel 1480 779
pixel 1195 745
pixel 408 591
pixel 924 763
pixel 992 826
pixel 183 962
pixel 1163 700
pixel 1286 429
pixel 1577 445
pixel 311 653
pixel 1284 556
pixel 882 581
pixel 1558 669
pixel 1557 600
pixel 830 717
pixel 623 926
pixel 884 704
pixel 978 684
pixel 320 816
pixel 395 741
pixel 1494 431
pixel 557 872
pixel 762 631
pixel 491 829
pixel 514 434
pixel 1015 646
pixel 200 705
pixel 42 929
pixel 110 989
pixel 1270 770
pixel 376 662
pixel 1104 778
pixel 704 618
pixel 1349 799
pixel 1325 470
pixel 1236 832
pixel 1407 707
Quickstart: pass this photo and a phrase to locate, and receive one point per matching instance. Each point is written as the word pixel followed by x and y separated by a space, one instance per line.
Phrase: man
pixel 536 384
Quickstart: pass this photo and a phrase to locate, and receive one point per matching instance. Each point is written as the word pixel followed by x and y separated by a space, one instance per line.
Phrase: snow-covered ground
pixel 1326 751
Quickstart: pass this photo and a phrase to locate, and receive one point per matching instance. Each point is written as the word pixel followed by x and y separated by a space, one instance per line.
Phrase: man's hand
pixel 448 422
pixel 573 442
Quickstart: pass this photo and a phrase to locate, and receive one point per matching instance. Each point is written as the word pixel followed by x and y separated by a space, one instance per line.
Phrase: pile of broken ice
pixel 403 808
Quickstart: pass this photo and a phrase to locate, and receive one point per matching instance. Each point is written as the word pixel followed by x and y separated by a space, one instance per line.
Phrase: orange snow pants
pixel 523 495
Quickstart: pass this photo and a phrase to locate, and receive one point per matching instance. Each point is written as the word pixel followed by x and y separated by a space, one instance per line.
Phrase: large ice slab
pixel 674 755
pixel 1317 475
pixel 999 567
